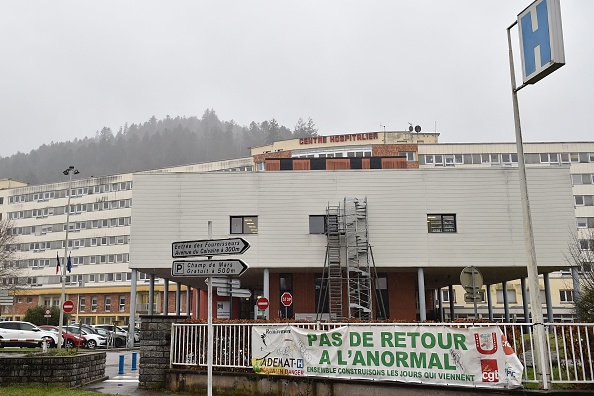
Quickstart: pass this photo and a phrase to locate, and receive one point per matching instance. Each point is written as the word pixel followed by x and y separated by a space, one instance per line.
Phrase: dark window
pixel 382 298
pixel 317 224
pixel 244 224
pixel 320 224
pixel 441 223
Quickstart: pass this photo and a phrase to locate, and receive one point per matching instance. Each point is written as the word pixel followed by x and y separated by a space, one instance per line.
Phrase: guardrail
pixel 570 346
pixel 41 341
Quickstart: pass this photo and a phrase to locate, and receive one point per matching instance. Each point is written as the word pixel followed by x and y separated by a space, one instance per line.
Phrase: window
pixel 244 224
pixel 441 223
pixel 107 303
pixel 29 300
pixel 587 244
pixel 82 302
pixel 122 303
pixel 511 296
pixel 321 293
pixel 566 296
pixel 317 224
pixel 93 303
pixel 445 296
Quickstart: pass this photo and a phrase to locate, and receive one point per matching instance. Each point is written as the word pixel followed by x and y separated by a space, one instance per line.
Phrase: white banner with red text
pixel 440 355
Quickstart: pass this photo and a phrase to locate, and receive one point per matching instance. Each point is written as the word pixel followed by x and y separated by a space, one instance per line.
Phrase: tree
pixel 303 129
pixel 581 256
pixel 36 315
pixel 9 270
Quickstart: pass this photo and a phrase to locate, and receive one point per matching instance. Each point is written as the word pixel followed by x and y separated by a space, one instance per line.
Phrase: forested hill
pixel 153 144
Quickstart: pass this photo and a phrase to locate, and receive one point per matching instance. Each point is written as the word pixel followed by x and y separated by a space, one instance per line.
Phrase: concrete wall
pixel 234 384
pixel 64 370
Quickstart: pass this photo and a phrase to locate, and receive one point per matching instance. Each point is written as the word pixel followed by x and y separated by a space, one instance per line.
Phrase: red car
pixel 71 340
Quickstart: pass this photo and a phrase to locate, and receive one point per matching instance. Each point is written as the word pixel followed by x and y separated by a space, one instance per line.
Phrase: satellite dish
pixel 410 128
pixel 417 129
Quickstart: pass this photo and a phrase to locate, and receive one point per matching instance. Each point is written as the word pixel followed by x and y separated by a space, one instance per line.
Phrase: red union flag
pixel 490 370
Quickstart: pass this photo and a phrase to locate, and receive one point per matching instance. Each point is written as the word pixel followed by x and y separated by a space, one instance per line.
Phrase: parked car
pixel 70 340
pixel 136 333
pixel 118 340
pixel 13 329
pixel 94 340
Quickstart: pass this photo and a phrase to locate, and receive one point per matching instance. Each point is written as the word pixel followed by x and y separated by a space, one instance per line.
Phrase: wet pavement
pixel 122 384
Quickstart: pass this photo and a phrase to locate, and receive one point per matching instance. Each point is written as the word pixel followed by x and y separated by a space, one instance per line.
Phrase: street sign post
pixel 208 268
pixel 224 282
pixel 68 306
pixel 472 280
pixel 48 313
pixel 209 247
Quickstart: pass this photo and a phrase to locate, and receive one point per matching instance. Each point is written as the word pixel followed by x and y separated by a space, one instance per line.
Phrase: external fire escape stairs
pixel 348 236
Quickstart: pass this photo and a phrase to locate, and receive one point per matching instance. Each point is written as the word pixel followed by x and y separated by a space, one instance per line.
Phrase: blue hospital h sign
pixel 541 40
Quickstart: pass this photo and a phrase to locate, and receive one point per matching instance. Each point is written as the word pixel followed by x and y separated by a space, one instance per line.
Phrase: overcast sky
pixel 69 68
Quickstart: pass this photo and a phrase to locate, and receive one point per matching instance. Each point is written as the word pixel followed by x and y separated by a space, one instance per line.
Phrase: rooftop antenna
pixel 384 132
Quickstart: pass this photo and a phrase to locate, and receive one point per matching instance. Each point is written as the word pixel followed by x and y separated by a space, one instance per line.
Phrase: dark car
pixel 70 340
pixel 117 340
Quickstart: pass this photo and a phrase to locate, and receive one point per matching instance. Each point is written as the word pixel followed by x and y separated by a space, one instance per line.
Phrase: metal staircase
pixel 346 231
pixel 358 268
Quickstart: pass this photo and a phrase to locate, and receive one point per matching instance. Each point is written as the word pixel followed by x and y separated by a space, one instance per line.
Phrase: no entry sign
pixel 68 306
pixel 262 303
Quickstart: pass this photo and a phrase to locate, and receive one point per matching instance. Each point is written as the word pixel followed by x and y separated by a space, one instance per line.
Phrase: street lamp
pixel 68 172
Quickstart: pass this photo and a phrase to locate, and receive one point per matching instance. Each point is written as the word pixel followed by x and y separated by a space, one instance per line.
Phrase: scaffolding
pixel 348 237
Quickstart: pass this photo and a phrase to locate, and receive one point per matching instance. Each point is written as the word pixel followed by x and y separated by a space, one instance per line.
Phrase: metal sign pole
pixel 532 267
pixel 210 330
pixel 474 293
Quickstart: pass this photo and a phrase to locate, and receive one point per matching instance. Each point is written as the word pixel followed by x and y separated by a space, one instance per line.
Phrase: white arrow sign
pixel 207 268
pixel 209 247
pixel 225 292
pixel 224 282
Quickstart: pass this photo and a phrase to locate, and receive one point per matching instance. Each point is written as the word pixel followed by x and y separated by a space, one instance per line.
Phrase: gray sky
pixel 70 68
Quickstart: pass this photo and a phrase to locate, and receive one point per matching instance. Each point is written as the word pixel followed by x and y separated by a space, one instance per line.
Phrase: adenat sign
pixel 541 40
pixel 438 355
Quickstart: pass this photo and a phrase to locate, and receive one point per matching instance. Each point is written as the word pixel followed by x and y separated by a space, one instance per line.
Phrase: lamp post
pixel 69 171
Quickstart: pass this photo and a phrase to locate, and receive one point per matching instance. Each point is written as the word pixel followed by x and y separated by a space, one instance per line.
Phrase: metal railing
pixel 570 346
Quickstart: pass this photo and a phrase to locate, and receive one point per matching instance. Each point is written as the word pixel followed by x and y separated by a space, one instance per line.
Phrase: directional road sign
pixel 207 268
pixel 7 300
pixel 3 292
pixel 241 293
pixel 224 282
pixel 209 247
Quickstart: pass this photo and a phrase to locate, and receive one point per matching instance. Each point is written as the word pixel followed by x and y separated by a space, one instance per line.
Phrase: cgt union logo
pixel 490 370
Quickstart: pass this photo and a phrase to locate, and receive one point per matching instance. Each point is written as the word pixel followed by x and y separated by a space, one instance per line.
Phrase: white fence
pixel 570 346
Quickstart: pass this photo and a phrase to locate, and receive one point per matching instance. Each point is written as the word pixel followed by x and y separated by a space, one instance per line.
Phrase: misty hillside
pixel 153 144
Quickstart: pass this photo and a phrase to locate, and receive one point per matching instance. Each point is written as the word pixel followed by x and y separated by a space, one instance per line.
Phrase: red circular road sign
pixel 287 299
pixel 262 303
pixel 68 306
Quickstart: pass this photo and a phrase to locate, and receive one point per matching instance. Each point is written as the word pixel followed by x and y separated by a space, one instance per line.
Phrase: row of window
pixel 505 158
pixel 74 209
pixel 582 178
pixel 82 304
pixel 75 192
pixel 75 260
pixel 318 224
pixel 73 226
pixel 336 154
pixel 585 222
pixel 584 200
pixel 72 243
pixel 75 280
pixel 565 296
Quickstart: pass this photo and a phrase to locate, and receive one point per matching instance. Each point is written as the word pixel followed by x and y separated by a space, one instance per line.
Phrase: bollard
pixel 121 367
pixel 134 357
